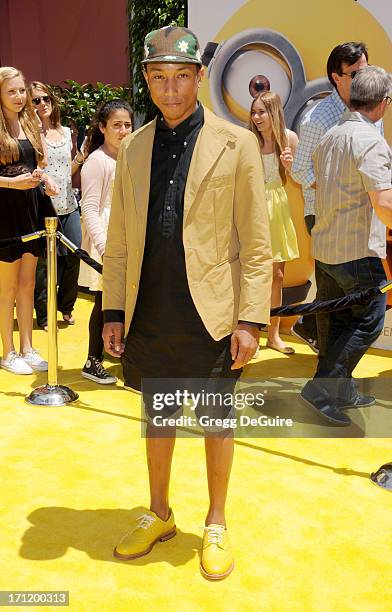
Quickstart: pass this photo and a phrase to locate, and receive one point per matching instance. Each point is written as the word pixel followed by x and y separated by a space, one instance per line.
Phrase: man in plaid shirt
pixel 342 65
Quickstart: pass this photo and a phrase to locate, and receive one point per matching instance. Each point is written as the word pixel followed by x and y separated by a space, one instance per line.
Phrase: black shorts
pixel 175 363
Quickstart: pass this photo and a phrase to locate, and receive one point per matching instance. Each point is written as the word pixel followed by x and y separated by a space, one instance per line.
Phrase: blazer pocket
pixel 217 182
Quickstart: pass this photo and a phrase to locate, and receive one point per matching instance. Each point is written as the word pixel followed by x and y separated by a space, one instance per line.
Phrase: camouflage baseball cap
pixel 172 44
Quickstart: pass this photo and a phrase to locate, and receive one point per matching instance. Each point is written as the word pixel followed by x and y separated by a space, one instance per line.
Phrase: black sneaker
pixel 328 411
pixel 299 331
pixel 359 401
pixel 94 370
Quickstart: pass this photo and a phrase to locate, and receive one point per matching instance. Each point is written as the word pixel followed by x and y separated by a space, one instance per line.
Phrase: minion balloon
pixel 284 46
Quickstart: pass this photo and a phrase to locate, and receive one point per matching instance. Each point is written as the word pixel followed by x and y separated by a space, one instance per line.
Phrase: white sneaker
pixel 16 364
pixel 35 361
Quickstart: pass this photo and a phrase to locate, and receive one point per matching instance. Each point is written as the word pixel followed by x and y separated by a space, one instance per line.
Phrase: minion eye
pixel 251 60
pixel 258 84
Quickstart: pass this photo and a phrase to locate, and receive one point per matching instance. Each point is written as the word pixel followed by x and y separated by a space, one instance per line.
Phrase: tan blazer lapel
pixel 139 166
pixel 210 145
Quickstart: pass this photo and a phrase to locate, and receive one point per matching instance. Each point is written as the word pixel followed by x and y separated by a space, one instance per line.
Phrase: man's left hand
pixel 244 342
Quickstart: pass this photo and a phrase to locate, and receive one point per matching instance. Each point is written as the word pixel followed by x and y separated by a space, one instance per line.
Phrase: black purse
pixel 13 170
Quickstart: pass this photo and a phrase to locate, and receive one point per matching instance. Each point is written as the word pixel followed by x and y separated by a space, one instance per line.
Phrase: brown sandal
pixel 286 350
pixel 68 318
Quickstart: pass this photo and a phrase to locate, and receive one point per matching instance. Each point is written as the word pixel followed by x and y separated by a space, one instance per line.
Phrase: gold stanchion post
pixel 52 394
pixel 51 243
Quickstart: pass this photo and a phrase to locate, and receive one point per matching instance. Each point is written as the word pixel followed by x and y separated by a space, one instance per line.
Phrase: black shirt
pixel 164 303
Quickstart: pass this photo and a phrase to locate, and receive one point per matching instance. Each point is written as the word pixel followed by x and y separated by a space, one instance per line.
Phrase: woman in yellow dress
pixel 277 146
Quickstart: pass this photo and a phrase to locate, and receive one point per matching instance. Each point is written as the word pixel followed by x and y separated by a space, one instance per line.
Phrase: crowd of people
pixel 191 218
pixel 37 167
pixel 36 179
pixel 36 164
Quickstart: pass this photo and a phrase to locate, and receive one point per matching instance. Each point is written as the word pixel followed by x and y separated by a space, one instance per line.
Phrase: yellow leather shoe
pixel 217 556
pixel 148 530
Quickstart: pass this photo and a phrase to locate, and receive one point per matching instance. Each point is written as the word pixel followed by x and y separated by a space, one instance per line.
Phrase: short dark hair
pixel 349 53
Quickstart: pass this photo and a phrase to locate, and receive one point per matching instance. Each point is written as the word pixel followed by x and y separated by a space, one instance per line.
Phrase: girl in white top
pixel 60 167
pixel 111 123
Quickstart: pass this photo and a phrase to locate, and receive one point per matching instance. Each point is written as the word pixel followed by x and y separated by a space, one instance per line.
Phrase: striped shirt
pixel 317 121
pixel 350 160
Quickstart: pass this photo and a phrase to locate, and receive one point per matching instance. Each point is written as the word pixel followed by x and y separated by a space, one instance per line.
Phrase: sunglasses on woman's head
pixel 37 101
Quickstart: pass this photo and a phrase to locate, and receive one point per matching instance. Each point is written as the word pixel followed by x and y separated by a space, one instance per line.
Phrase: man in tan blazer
pixel 187 275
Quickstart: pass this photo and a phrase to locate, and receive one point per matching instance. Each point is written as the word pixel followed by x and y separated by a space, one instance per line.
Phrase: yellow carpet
pixel 310 531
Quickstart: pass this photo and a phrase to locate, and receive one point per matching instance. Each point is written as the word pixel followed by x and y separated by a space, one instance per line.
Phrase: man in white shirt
pixel 352 170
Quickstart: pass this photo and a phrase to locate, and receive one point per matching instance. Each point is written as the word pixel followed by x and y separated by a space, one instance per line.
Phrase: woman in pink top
pixel 110 124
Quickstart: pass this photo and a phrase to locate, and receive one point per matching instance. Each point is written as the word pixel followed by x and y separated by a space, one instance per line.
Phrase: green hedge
pixel 79 102
pixel 144 17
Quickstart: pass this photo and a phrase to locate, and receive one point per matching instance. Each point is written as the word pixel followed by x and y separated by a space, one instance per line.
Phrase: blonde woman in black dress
pixel 22 206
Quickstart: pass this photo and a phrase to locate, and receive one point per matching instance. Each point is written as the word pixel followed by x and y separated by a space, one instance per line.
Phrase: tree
pixel 144 17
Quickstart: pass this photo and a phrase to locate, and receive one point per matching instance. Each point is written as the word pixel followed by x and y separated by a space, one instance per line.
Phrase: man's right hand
pixel 113 338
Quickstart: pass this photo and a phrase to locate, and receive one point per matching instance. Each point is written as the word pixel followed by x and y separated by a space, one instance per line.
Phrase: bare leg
pixel 276 300
pixel 159 459
pixel 219 449
pixel 9 273
pixel 25 301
